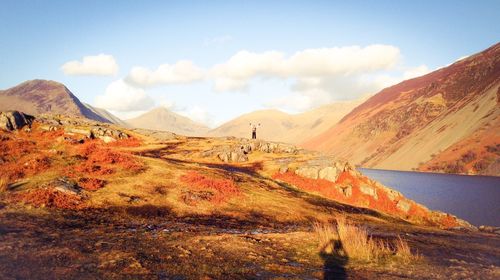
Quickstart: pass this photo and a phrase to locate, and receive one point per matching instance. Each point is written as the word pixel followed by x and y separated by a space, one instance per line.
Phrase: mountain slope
pixel 41 96
pixel 162 119
pixel 283 127
pixel 406 125
pixel 107 115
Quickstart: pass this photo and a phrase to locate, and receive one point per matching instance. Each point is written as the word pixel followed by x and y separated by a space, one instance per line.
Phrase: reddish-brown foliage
pixel 129 142
pixel 24 154
pixel 49 198
pixel 333 191
pixel 223 189
pixel 448 221
pixel 100 160
pixel 91 184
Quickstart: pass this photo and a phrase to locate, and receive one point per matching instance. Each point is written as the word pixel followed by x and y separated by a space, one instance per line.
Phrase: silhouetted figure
pixel 334 262
pixel 254 130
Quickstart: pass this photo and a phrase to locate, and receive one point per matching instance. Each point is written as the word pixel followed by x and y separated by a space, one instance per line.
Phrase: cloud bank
pixel 309 64
pixel 120 96
pixel 182 72
pixel 93 65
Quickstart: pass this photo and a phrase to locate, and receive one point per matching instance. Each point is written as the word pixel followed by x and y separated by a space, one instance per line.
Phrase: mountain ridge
pixel 422 117
pixel 162 119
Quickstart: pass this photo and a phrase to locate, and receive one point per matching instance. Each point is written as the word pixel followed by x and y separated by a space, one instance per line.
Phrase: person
pixel 254 130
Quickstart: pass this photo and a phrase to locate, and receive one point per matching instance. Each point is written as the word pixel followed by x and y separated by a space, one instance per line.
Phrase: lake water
pixel 475 199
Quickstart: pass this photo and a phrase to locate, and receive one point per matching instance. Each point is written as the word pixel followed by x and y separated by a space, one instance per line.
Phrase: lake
pixel 475 199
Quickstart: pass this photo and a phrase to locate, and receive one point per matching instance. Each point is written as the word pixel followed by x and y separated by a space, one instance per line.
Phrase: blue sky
pixel 236 56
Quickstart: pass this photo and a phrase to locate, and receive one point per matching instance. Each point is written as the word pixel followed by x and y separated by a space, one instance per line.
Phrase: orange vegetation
pixel 49 198
pixel 222 189
pixel 381 202
pixel 23 154
pixel 91 184
pixel 129 142
pixel 101 160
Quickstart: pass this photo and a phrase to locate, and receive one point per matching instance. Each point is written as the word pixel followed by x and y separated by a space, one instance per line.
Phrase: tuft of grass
pixel 355 243
pixel 4 185
pixel 402 251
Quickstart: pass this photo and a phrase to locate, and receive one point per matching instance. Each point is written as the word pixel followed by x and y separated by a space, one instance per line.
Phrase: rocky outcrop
pixel 239 152
pixel 13 120
pixel 327 169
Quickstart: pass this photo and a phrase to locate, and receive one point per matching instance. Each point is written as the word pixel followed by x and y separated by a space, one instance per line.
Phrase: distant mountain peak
pixel 46 96
pixel 161 118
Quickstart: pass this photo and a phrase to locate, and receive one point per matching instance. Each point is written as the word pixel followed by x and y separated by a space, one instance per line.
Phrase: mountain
pixel 162 119
pixel 446 121
pixel 41 96
pixel 107 115
pixel 283 127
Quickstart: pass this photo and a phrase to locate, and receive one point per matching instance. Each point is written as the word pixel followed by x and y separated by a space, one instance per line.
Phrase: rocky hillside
pixel 163 119
pixel 282 127
pixel 444 121
pixel 83 199
pixel 37 97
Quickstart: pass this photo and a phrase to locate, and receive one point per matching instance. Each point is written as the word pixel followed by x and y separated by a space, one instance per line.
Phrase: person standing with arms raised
pixel 254 130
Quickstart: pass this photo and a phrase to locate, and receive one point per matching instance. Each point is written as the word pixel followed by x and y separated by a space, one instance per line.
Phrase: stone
pixel 13 120
pixel 66 186
pixel 48 127
pixel 85 132
pixel 224 156
pixel 403 205
pixel 346 190
pixel 369 190
pixel 107 139
pixel 329 173
pixel 308 172
pixel 283 169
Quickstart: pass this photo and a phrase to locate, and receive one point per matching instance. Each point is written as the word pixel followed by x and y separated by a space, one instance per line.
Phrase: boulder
pixel 369 190
pixel 283 169
pixel 311 172
pixel 12 120
pixel 48 127
pixel 346 190
pixel 65 185
pixel 87 132
pixel 403 205
pixel 329 173
pixel 107 139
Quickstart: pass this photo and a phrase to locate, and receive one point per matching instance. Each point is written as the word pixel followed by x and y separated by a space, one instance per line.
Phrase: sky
pixel 215 60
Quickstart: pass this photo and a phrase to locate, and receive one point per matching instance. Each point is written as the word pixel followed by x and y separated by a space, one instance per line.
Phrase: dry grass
pixel 4 185
pixel 355 243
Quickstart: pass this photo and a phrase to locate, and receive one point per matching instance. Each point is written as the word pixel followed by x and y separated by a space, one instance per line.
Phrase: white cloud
pixel 98 65
pixel 182 72
pixel 120 96
pixel 197 114
pixel 323 63
pixel 415 72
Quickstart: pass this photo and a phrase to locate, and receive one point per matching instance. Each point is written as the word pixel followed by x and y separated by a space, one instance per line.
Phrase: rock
pixel 246 148
pixel 12 120
pixel 369 190
pixel 87 132
pixel 403 205
pixel 490 229
pixel 107 139
pixel 283 169
pixel 48 127
pixel 224 156
pixel 66 186
pixel 346 190
pixel 329 173
pixel 308 172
